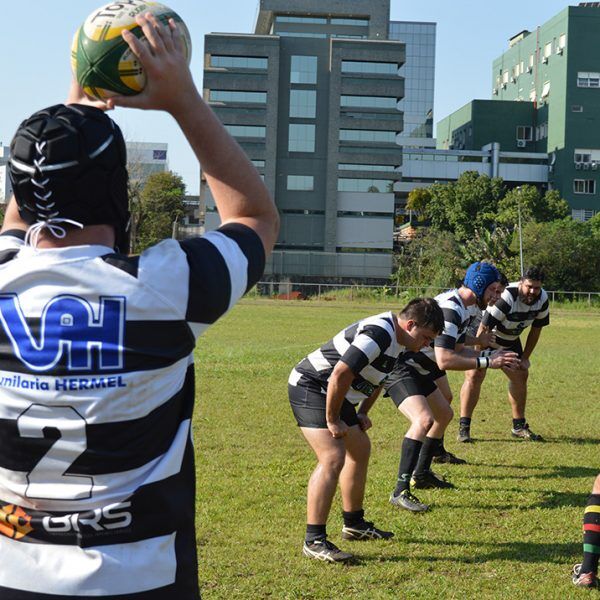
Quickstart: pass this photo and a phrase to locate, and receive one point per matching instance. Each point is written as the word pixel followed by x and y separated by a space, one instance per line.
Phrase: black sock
pixel 465 422
pixel 518 423
pixel 591 535
pixel 408 461
pixel 354 517
pixel 427 452
pixel 315 532
pixel 439 449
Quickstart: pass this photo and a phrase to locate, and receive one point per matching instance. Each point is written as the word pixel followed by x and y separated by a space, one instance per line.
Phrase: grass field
pixel 511 529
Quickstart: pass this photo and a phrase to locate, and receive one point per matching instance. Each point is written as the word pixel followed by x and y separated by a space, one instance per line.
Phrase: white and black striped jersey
pixel 457 318
pixel 510 316
pixel 369 347
pixel 97 391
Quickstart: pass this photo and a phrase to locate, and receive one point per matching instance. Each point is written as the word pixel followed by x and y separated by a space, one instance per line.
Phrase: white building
pixel 146 158
pixel 5 186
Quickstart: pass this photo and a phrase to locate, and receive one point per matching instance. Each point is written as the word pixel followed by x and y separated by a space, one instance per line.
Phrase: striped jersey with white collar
pixel 97 478
pixel 510 316
pixel 369 347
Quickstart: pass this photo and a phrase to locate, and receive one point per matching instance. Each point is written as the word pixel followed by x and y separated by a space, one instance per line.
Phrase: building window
pixel 582 214
pixel 303 103
pixel 304 183
pixel 303 69
pixel 562 41
pixel 584 186
pixel 515 71
pixel 525 133
pixel 311 20
pixel 548 50
pixel 301 138
pixel 588 80
pixel 257 162
pixel 246 131
pixel 576 108
pixel 522 67
pixel 582 156
pixel 505 77
pixel 231 96
pixel 374 68
pixel 369 101
pixel 367 135
pixel 238 62
pixel 361 22
pixel 376 186
pixel 531 60
pixel 357 167
pixel 301 34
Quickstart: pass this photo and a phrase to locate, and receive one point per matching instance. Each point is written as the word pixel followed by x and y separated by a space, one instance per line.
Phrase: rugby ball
pixel 101 60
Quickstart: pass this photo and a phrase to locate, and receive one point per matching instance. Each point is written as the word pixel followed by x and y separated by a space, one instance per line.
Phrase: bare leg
pixel 330 453
pixel 517 391
pixel 470 391
pixel 353 477
pixel 416 409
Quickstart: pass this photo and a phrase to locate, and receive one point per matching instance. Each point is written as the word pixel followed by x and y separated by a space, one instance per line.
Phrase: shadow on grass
pixel 582 441
pixel 524 552
pixel 556 472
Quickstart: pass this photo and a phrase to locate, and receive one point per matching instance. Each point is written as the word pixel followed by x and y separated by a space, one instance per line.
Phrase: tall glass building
pixel 418 72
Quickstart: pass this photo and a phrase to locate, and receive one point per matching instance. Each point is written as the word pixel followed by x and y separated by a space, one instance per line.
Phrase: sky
pixel 36 38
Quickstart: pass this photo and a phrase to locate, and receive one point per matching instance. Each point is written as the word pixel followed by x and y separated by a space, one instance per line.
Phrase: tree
pixel 160 205
pixel 463 206
pixel 418 201
pixel 568 251
pixel 431 259
pixel 534 206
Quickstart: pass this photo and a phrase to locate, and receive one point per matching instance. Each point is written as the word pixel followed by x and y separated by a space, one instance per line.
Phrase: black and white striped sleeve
pixel 543 317
pixel 498 313
pixel 370 343
pixel 450 335
pixel 223 265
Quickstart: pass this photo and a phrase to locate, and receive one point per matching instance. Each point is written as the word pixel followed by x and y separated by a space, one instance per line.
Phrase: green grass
pixel 511 529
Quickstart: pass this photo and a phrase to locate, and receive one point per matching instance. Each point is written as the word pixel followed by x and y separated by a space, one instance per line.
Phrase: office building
pixel 312 96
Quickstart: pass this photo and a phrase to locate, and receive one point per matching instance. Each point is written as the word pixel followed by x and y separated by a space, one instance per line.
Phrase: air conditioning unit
pixel 586 165
pixel 559 50
pixel 529 69
pixel 521 144
pixel 545 60
pixel 578 165
pixel 594 165
pixel 503 86
pixel 494 92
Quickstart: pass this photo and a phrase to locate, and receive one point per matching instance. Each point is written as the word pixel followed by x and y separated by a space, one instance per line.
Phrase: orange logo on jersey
pixel 14 522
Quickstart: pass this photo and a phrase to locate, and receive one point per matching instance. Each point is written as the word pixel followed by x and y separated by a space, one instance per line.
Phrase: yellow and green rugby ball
pixel 101 60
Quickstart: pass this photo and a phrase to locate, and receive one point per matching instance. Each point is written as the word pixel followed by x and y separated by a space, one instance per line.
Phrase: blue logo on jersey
pixel 67 326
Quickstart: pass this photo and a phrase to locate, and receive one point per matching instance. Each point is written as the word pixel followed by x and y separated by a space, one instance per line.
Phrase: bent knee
pixel 333 463
pixel 424 422
pixel 596 488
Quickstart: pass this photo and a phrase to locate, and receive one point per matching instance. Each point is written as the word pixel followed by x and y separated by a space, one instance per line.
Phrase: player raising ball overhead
pixel 97 469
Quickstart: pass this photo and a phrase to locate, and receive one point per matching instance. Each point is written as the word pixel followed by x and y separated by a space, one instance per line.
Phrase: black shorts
pixel 514 346
pixel 407 382
pixel 308 406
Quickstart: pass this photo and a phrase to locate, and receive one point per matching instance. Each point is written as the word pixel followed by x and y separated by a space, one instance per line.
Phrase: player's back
pixel 97 384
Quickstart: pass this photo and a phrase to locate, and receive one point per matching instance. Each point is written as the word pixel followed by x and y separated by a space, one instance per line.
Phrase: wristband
pixel 486 353
pixel 483 362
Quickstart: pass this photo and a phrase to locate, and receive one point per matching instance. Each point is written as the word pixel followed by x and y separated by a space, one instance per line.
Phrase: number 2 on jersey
pixel 47 480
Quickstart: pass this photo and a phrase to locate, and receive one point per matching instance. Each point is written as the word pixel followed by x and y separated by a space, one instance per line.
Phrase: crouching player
pixel 419 388
pixel 324 389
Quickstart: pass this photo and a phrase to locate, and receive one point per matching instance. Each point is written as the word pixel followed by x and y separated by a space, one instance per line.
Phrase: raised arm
pixel 239 193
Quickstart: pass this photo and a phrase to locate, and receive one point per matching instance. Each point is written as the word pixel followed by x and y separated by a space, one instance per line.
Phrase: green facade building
pixel 545 98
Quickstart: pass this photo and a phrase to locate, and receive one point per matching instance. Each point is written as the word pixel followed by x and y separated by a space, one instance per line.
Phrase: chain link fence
pixel 290 290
